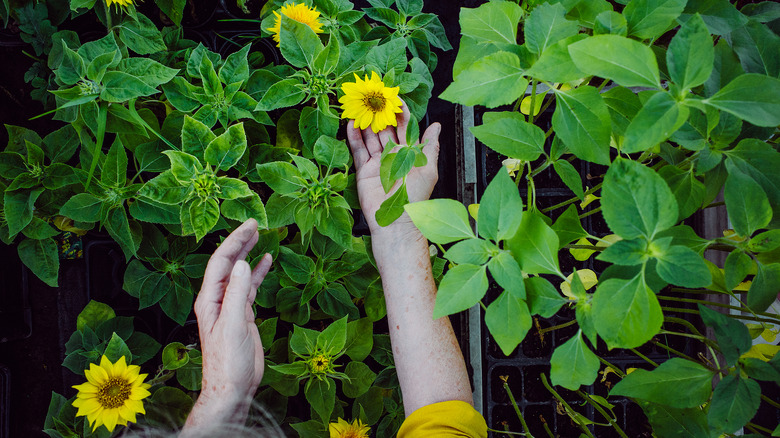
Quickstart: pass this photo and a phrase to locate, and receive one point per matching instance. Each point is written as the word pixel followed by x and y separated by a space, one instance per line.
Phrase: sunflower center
pixel 375 101
pixel 319 364
pixel 113 393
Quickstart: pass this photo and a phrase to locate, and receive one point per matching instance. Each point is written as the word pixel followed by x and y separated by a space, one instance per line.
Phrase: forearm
pixel 212 411
pixel 428 360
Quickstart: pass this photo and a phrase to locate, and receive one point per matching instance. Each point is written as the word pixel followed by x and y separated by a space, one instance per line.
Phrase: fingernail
pixel 241 268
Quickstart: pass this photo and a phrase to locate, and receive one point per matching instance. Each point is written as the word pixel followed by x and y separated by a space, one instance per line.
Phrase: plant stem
pixel 517 409
pixel 565 405
pixel 592 247
pixel 506 432
pixel 686 335
pixel 617 370
pixel 592 212
pixel 603 413
pixel 770 401
pixel 532 112
pixel 547 429
pixel 645 358
pixel 101 133
pixel 687 324
pixel 672 350
pixel 556 327
pixel 755 428
pixel 716 204
pixel 572 200
pixel 725 306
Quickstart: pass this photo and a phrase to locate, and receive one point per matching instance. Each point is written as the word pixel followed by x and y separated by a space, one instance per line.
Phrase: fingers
pixel 260 271
pixel 235 247
pixel 403 123
pixel 359 150
pixel 373 144
pixel 431 148
pixel 237 294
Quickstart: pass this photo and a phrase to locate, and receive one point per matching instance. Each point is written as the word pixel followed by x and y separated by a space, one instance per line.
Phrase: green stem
pixel 532 113
pixel 603 413
pixel 142 122
pixel 716 204
pixel 592 212
pixel 645 358
pixel 517 408
pixel 505 432
pixel 725 306
pixel 572 200
pixel 770 401
pixel 591 247
pixel 687 324
pixel 565 405
pixel 672 350
pixel 686 335
pixel 556 327
pixel 101 134
pixel 612 367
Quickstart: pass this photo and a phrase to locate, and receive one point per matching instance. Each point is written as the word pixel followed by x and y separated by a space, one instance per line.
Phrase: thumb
pixel 237 293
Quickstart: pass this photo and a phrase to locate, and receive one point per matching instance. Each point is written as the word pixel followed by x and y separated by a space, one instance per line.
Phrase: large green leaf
pixel 195 136
pixel 151 72
pixel 509 134
pixel 440 220
pixel 505 270
pixel 203 215
pixel 752 97
pixel 141 35
pixel 535 246
pixel 626 312
pixel 462 287
pixel 682 266
pixel 687 189
pixel 555 63
pixel 241 209
pixel 492 22
pixel 224 151
pixel 625 61
pixel 720 15
pixel 114 173
pixel 733 337
pixel 494 80
pixel 82 207
pixel 360 379
pixel 676 423
pixel 543 298
pixel 120 87
pixel 282 177
pixel 651 18
pixel 677 383
pixel 42 257
pixel 298 42
pixel 321 394
pixel 756 45
pixel 760 161
pixel 763 289
pixel 636 201
pixel 734 402
pixel 581 120
pixel 573 364
pixel 658 119
pixel 746 202
pixel 508 320
pixel 691 54
pixel 501 209
pixel 546 25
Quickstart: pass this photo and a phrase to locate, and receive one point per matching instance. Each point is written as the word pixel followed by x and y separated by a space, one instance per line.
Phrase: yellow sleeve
pixel 445 419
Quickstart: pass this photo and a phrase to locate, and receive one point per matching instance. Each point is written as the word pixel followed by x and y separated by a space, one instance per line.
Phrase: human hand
pixel 367 147
pixel 233 360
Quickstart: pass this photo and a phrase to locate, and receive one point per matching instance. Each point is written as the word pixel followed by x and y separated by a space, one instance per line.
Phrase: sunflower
pixel 342 429
pixel 112 394
pixel 299 12
pixel 369 102
pixel 121 4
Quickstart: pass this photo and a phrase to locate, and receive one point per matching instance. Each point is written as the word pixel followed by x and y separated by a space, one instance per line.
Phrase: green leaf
pixel 360 339
pixel 626 253
pixel 114 172
pixel 610 22
pixel 765 242
pixel 328 59
pixel 682 266
pixel 388 57
pixel 174 356
pixel 626 312
pixel 509 134
pixel 473 251
pixel 195 136
pixel 573 364
pixel 733 337
pixel 321 394
pixel 333 339
pixel 734 402
pixel 164 188
pixel 314 123
pixel 360 379
pixel 72 68
pixel 763 289
pixel 738 265
pixel 42 257
pixel 224 151
pixel 117 348
pixel 236 67
pixel 462 287
pixel 651 18
pixel 494 80
pixel 677 383
pixel 508 320
pixel 658 119
pixel 691 54
pixel 440 220
pixel 282 177
pixel 501 209
pixel 546 26
pixel 174 9
pixel 535 246
pixel 568 227
pixel 746 202
pixel 492 22
pixel 720 15
pixel 636 201
pixel 203 215
pixel 581 120
pixel 298 267
pixel 298 42
pixel 141 35
pixel 94 314
pixel 625 61
pixel 759 160
pixel 19 206
pixel 756 45
pixel 759 370
pixel 555 63
pixel 82 207
pixel 505 270
pixel 282 94
pixel 120 87
pixel 688 190
pixel 151 72
pixel 676 423
pixel 752 97
pixel 242 209
pixel 331 152
pixel 570 176
pixel 543 298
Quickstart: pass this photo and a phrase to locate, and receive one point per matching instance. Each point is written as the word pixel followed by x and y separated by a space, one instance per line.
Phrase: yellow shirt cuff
pixel 453 418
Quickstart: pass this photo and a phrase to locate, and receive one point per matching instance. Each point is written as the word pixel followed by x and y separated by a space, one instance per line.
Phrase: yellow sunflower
pixel 112 394
pixel 121 4
pixel 370 103
pixel 299 12
pixel 342 429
